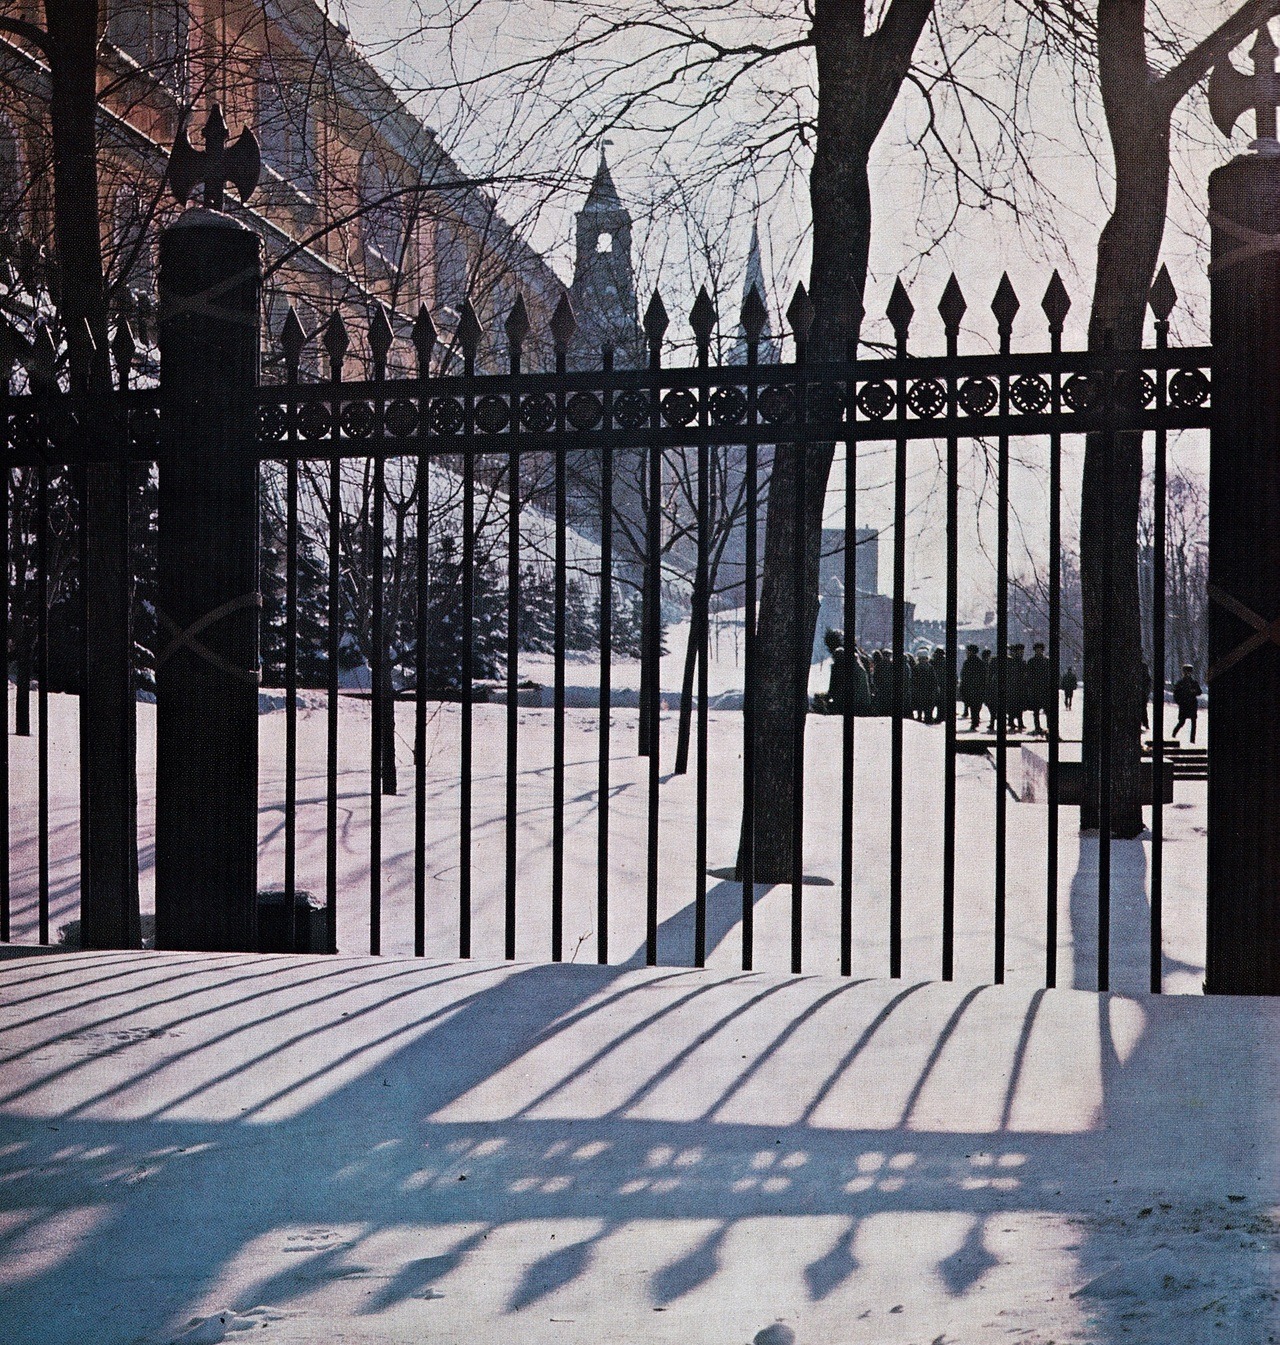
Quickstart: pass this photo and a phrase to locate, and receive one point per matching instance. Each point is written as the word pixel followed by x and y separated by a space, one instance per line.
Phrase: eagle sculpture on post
pixel 1232 93
pixel 215 165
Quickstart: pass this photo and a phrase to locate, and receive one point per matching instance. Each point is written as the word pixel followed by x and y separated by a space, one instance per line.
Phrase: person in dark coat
pixel 892 670
pixel 1016 687
pixel 859 684
pixel 1186 696
pixel 924 688
pixel 944 701
pixel 1040 690
pixel 879 683
pixel 973 683
pixel 1069 683
pixel 832 701
pixel 990 688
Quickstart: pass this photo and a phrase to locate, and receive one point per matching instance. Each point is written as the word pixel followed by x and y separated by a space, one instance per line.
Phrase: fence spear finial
pixel 563 325
pixel 380 338
pixel 1163 296
pixel 1056 303
pixel 424 340
pixel 335 344
pixel 292 341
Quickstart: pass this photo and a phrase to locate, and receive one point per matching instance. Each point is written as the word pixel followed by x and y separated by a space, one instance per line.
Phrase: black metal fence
pixel 573 429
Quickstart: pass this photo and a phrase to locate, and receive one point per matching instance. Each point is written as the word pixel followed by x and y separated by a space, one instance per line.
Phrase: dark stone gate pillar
pixel 1244 579
pixel 207 656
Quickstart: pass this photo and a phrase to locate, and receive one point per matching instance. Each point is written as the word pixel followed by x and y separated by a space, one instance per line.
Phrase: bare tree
pixel 1142 77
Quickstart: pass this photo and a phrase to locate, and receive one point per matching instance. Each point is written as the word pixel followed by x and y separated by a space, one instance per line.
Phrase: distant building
pixel 603 292
pixel 873 609
pixel 358 203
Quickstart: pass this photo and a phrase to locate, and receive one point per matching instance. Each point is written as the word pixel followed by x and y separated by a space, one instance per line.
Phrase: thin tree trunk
pixel 1128 251
pixel 108 786
pixel 859 76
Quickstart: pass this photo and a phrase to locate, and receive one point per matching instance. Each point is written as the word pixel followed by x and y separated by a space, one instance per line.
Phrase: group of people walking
pixel 868 681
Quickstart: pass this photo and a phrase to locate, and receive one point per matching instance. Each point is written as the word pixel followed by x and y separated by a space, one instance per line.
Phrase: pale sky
pixel 1070 161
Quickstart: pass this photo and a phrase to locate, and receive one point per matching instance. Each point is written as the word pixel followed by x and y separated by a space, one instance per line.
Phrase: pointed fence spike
pixel 952 306
pixel 1005 305
pixel 900 310
pixel 1056 302
pixel 517 323
pixel 335 343
pixel 44 357
pixel 800 314
pixel 293 340
pixel 1163 296
pixel 381 336
pixel 123 348
pixel 563 325
pixel 755 316
pixel 11 348
pixel 470 332
pixel 424 340
pixel 656 321
pixel 702 317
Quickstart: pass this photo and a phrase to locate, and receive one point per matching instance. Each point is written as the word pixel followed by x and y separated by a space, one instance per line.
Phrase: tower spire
pixel 755 276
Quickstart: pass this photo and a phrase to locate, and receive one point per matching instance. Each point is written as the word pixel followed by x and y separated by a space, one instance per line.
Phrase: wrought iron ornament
pixel 215 165
pixel 1231 94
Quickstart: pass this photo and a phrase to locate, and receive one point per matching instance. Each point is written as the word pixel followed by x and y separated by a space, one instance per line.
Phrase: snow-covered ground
pixel 628 810
pixel 384 1151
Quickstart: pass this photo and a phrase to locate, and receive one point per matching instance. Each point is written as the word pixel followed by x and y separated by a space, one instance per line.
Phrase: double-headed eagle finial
pixel 215 165
pixel 1231 93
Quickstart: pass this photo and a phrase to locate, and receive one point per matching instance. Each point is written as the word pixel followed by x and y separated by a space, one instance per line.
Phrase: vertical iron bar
pixel 1158 581
pixel 700 624
pixel 379 674
pixel 1003 706
pixel 5 524
pixel 606 669
pixel 421 674
pixel 513 669
pixel 1107 669
pixel 804 659
pixel 747 859
pixel 557 711
pixel 951 658
pixel 653 643
pixel 42 694
pixel 1055 669
pixel 850 657
pixel 899 668
pixel 291 698
pixel 291 654
pixel 331 705
pixel 468 656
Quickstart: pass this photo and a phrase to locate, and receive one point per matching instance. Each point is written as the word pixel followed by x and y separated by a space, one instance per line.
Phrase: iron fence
pixel 469 421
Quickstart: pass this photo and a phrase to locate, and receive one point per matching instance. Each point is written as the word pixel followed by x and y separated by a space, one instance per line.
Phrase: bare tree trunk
pixel 1128 252
pixel 108 787
pixel 1139 108
pixel 859 76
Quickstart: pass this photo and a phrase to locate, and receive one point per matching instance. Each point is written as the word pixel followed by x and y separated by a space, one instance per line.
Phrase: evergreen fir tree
pixel 581 618
pixel 537 611
pixel 312 606
pixel 444 620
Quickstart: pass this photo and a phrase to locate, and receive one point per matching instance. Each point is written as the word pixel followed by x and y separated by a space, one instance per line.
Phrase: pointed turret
pixel 755 277
pixel 603 195
pixel 603 293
